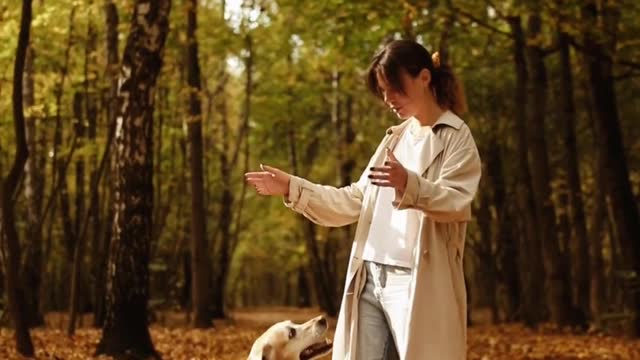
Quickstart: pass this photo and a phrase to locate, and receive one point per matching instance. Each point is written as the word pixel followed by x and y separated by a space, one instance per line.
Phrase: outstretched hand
pixel 392 174
pixel 269 181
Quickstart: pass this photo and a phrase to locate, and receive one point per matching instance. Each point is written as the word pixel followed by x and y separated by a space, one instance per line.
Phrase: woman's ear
pixel 425 77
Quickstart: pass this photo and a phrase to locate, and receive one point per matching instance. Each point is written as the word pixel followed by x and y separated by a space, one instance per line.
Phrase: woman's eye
pixel 292 333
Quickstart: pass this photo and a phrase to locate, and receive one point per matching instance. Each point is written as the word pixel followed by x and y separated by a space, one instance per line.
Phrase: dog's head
pixel 288 341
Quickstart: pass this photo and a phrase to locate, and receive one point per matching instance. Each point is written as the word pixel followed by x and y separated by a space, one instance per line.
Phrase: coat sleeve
pixel 328 205
pixel 448 198
pixel 325 205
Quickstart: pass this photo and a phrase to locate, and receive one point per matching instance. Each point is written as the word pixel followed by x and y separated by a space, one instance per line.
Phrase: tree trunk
pixel 79 128
pixel 78 286
pixel 324 291
pixel 65 211
pixel 598 219
pixel 15 287
pixel 201 267
pixel 243 138
pixel 487 259
pixel 101 241
pixel 334 242
pixel 62 164
pixel 34 193
pixel 507 253
pixel 303 293
pixel 125 331
pixel 599 43
pixel 576 204
pixel 78 244
pixel 221 249
pixel 531 266
pixel 556 266
pixel 92 111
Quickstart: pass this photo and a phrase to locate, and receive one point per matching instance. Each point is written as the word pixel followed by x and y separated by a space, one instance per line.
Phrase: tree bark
pixel 507 252
pixel 34 193
pixel 488 275
pixel 201 266
pixel 78 248
pixel 85 121
pixel 222 246
pixel 101 241
pixel 576 204
pixel 125 331
pixel 243 138
pixel 556 266
pixel 9 187
pixel 599 42
pixel 531 266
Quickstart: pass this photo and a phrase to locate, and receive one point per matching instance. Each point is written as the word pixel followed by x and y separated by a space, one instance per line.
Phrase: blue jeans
pixel 382 312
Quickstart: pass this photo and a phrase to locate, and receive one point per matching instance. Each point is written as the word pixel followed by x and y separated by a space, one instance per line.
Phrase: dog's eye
pixel 292 333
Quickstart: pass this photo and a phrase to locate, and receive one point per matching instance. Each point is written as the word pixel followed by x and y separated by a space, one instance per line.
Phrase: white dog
pixel 288 341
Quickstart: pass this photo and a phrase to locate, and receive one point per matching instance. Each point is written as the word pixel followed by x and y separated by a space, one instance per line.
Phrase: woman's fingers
pixel 385 169
pixel 258 173
pixel 385 179
pixel 272 170
pixel 269 181
pixel 258 176
pixel 259 181
pixel 379 176
pixel 261 187
pixel 382 183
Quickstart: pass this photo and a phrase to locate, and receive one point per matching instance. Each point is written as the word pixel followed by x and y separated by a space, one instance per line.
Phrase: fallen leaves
pixel 514 341
pixel 232 340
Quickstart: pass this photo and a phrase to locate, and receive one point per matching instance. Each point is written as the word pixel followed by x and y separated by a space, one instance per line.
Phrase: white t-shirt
pixel 393 233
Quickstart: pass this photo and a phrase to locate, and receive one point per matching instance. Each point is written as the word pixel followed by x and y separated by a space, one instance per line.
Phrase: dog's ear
pixel 267 349
pixel 266 352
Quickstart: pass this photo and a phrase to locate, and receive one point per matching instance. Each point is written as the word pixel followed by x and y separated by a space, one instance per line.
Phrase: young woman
pixel 404 293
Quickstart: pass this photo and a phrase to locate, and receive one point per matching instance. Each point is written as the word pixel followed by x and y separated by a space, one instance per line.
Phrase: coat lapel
pixel 434 146
pixel 431 149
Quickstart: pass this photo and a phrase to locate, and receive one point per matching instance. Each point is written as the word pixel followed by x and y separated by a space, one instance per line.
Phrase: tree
pixel 601 25
pixel 200 264
pixel 101 241
pixel 531 265
pixel 34 193
pixel 125 330
pixel 574 196
pixel 556 269
pixel 9 187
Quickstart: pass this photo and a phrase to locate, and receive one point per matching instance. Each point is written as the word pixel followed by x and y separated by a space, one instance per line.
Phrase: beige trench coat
pixel 443 190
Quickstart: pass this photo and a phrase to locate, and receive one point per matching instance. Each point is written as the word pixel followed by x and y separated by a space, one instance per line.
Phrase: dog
pixel 288 341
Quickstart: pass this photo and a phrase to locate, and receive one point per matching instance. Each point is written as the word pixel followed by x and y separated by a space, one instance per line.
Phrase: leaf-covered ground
pixel 233 339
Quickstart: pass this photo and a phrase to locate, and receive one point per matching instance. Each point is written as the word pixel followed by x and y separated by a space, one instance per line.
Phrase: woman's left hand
pixel 392 174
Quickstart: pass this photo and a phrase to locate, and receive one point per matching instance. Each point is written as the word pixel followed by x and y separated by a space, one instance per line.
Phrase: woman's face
pixel 415 89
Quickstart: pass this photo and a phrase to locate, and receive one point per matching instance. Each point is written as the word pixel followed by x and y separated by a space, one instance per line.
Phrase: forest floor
pixel 232 339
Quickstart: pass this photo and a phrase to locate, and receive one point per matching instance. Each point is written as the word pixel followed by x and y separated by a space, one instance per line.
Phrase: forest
pixel 126 128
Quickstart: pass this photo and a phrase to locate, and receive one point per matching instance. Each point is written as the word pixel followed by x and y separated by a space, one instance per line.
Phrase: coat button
pixel 425 253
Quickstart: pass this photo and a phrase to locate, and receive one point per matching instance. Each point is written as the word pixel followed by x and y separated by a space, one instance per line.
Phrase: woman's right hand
pixel 269 181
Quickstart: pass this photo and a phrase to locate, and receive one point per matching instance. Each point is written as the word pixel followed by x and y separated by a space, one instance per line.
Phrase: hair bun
pixel 435 57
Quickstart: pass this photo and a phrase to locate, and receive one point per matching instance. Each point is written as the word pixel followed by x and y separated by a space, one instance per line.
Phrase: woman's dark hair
pixel 409 56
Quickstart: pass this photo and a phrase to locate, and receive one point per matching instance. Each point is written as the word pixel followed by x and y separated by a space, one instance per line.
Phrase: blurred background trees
pixel 552 89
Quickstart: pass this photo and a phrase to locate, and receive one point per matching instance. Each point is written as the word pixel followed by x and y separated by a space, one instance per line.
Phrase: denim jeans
pixel 382 312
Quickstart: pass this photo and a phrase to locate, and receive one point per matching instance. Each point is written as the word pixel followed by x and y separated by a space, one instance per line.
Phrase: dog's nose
pixel 322 322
